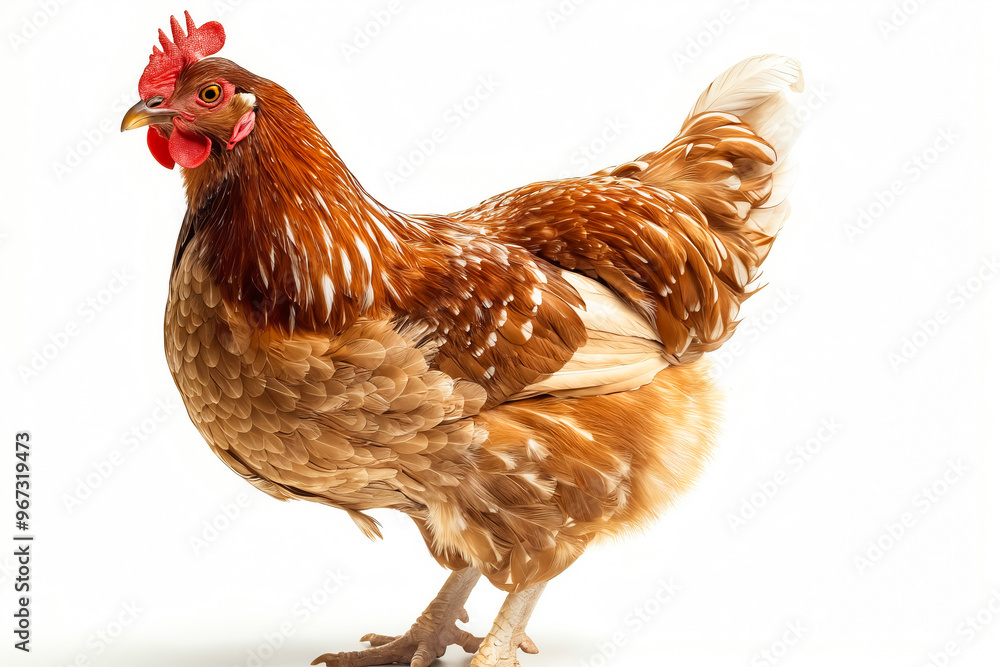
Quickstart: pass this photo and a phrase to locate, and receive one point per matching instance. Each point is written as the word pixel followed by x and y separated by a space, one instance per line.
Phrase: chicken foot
pixel 499 648
pixel 429 636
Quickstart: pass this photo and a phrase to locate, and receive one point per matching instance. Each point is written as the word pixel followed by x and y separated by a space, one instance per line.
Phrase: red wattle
pixel 187 149
pixel 158 146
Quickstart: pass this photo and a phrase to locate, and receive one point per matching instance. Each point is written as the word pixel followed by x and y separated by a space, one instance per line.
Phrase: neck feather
pixel 289 234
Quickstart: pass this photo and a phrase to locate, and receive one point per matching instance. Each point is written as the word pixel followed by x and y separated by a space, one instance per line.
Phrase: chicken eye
pixel 210 94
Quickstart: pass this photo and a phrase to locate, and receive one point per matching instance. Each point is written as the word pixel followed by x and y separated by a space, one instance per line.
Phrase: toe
pixel 371 656
pixel 378 640
pixel 468 641
pixel 424 656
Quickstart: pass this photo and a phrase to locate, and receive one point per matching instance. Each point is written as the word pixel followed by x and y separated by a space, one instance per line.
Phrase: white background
pixel 81 202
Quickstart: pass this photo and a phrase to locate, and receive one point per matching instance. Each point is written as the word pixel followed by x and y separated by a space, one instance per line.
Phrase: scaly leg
pixel 499 649
pixel 427 639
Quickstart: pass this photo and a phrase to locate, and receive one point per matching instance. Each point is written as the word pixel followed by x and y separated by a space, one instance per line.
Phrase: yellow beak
pixel 143 114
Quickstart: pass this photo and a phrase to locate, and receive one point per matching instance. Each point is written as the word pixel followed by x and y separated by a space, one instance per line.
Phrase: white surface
pixel 606 66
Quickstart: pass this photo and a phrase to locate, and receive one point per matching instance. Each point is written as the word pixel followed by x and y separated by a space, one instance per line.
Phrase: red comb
pixel 164 66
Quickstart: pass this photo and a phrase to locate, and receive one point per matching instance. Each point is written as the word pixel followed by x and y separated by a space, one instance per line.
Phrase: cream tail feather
pixel 757 91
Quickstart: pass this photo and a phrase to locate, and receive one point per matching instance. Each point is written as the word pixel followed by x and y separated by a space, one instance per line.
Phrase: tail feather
pixel 756 91
pixel 731 157
pixel 749 84
pixel 679 234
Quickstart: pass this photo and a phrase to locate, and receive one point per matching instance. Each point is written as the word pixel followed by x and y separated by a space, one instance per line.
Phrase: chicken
pixel 521 378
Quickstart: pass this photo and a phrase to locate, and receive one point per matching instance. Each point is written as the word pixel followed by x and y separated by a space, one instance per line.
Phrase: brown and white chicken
pixel 521 378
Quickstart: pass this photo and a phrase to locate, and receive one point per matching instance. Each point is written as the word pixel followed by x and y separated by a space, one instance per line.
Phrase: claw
pixel 428 638
pixel 419 647
pixel 377 640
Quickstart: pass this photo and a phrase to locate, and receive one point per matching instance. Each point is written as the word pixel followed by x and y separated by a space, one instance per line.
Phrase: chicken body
pixel 364 420
pixel 519 378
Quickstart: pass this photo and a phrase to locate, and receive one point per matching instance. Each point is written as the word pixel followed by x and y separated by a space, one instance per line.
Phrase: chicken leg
pixel 429 636
pixel 499 648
